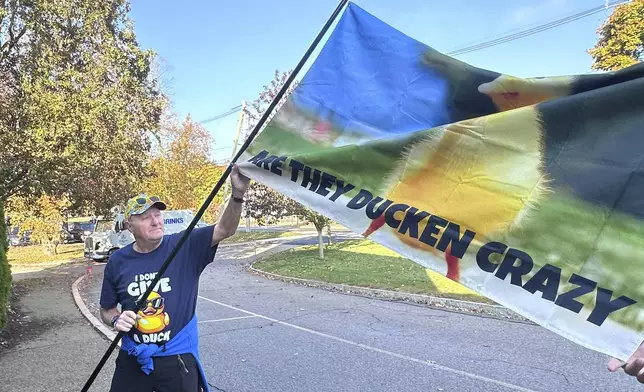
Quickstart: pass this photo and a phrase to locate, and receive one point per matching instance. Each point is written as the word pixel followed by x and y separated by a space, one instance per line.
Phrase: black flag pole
pixel 218 186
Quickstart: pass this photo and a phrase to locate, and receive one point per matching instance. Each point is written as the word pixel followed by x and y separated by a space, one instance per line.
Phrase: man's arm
pixel 229 221
pixel 109 301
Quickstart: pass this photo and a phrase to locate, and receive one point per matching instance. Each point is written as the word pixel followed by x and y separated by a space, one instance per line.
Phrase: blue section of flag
pixel 370 78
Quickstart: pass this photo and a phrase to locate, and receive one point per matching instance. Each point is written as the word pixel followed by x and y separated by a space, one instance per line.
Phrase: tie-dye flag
pixel 527 191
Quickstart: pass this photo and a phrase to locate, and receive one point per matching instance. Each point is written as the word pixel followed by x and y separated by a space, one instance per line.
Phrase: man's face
pixel 147 226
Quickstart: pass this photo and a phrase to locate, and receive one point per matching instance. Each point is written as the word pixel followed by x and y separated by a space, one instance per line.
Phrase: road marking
pixel 378 350
pixel 227 319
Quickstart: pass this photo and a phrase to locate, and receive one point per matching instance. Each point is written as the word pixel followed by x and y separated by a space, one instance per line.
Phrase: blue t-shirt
pixel 172 303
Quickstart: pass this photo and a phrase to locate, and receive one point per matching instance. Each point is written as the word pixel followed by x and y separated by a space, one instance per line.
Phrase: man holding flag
pixel 160 348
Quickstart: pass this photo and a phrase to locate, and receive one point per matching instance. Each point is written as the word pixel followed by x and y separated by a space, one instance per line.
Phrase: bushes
pixel 5 270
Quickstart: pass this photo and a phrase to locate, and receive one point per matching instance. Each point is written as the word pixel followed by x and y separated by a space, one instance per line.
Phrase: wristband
pixel 114 320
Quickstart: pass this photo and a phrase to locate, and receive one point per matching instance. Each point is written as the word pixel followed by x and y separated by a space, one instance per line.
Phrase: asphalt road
pixel 52 348
pixel 262 335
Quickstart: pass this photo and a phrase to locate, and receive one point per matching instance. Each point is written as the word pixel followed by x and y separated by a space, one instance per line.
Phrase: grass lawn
pixel 34 254
pixel 366 264
pixel 242 236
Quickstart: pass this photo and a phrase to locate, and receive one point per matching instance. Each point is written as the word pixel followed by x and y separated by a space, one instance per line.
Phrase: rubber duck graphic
pixel 153 318
pixel 485 174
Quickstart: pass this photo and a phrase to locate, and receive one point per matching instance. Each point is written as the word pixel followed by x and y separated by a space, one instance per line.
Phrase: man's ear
pixel 126 224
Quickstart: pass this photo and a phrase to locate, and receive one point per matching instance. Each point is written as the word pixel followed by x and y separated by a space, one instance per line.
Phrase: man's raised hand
pixel 634 366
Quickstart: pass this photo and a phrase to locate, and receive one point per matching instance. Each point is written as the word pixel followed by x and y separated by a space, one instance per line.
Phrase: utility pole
pixel 240 123
pixel 239 127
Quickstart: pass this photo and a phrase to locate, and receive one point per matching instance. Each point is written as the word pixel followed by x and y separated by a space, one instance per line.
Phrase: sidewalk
pixel 49 345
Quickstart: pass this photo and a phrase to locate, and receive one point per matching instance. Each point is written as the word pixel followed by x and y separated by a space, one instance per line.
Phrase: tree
pixel 77 104
pixel 182 172
pixel 265 205
pixel 44 217
pixel 318 220
pixel 621 38
pixel 78 101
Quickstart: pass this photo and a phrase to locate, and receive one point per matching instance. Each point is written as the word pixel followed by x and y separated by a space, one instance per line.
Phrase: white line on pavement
pixel 378 350
pixel 227 319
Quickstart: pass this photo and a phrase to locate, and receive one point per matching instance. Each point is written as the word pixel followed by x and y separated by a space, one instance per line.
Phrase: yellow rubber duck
pixel 153 318
pixel 485 174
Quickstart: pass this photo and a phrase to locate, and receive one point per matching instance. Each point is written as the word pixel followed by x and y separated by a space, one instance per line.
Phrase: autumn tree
pixel 77 103
pixel 621 38
pixel 182 172
pixel 43 217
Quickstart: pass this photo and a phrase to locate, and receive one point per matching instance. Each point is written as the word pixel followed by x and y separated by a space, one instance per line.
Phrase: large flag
pixel 528 191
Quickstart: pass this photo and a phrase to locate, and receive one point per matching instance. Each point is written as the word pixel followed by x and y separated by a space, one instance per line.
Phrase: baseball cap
pixel 141 203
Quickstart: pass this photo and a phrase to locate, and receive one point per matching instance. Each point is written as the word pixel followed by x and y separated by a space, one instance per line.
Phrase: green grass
pixel 366 264
pixel 26 255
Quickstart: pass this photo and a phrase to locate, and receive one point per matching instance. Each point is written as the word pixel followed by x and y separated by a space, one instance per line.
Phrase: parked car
pixel 16 239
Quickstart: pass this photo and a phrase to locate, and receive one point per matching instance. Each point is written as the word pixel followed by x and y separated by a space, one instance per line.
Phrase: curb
pixel 454 305
pixel 96 323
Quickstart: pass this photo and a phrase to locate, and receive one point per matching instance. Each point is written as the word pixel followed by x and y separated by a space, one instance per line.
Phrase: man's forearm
pixel 229 220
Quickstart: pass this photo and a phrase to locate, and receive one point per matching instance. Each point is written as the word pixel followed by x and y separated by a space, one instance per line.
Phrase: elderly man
pixel 160 348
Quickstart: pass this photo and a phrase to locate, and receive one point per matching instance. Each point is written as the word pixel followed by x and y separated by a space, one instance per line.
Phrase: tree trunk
pixel 248 224
pixel 320 243
pixel 48 248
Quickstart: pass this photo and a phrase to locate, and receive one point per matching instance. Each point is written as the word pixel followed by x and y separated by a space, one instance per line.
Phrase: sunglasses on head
pixel 143 201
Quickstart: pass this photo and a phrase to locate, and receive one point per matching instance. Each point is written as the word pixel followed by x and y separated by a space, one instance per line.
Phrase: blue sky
pixel 217 53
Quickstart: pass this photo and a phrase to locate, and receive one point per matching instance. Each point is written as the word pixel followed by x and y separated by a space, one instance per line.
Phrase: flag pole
pixel 218 186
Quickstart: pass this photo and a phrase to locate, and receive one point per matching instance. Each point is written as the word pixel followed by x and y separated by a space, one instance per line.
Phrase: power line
pixel 222 115
pixel 534 30
pixel 222 148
